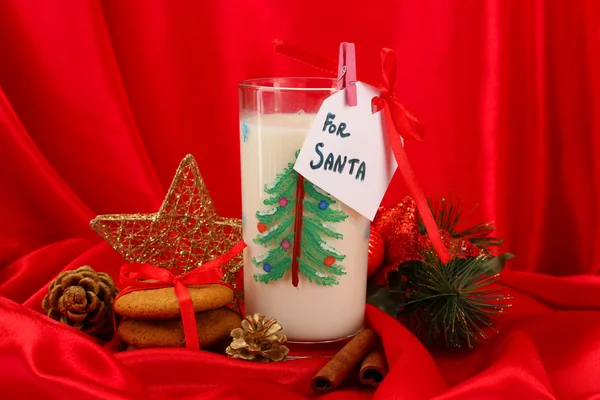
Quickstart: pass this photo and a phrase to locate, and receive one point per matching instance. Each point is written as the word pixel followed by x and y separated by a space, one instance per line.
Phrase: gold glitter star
pixel 184 233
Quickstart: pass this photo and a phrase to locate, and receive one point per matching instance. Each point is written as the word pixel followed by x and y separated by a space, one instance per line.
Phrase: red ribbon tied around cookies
pixel 399 123
pixel 145 276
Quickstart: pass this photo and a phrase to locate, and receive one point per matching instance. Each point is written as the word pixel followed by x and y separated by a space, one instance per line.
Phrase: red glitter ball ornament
pixel 404 241
pixel 424 242
pixel 400 230
pixel 463 248
pixel 401 249
pixel 398 220
pixel 457 247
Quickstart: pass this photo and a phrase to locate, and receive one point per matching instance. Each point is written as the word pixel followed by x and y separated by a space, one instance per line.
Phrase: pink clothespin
pixel 347 72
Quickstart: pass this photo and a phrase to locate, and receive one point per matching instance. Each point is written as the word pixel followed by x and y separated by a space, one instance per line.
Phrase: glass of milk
pixel 306 260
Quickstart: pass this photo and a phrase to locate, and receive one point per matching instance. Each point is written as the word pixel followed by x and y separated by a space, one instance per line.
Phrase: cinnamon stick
pixel 336 370
pixel 374 368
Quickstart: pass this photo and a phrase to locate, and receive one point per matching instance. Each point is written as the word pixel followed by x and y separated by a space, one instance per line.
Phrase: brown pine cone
pixel 82 298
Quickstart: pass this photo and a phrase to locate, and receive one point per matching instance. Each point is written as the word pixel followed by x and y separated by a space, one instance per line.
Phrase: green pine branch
pixel 271 257
pixel 288 190
pixel 314 276
pixel 275 214
pixel 316 193
pixel 274 200
pixel 316 225
pixel 447 213
pixel 448 304
pixel 314 248
pixel 275 232
pixel 317 246
pixel 319 266
pixel 277 271
pixel 284 182
pixel 327 214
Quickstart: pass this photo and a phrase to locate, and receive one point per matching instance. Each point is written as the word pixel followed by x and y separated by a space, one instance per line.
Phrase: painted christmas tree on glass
pixel 293 231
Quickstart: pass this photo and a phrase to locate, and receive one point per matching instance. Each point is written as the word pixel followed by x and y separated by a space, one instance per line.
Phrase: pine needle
pixel 447 213
pixel 451 304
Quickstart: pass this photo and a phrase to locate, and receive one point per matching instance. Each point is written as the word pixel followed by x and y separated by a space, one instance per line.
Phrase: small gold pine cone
pixel 258 340
pixel 83 299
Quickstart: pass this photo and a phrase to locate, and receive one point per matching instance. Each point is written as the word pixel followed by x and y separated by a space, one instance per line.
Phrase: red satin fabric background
pixel 99 101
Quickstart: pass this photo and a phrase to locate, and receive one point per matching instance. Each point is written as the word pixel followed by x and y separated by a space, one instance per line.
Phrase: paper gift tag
pixel 346 152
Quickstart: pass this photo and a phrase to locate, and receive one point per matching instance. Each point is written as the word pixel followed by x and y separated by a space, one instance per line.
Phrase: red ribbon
pixel 404 123
pixel 398 122
pixel 146 276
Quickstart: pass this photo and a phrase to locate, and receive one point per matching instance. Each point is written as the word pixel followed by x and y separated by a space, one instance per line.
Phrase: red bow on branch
pixel 146 276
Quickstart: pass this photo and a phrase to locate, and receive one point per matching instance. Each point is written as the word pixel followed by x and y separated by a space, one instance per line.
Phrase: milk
pixel 308 312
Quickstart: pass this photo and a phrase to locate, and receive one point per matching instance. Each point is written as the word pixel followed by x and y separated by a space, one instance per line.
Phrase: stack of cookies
pixel 151 317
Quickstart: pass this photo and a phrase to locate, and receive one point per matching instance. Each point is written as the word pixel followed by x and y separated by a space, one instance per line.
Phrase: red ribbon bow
pixel 404 123
pixel 398 123
pixel 146 276
pixel 401 123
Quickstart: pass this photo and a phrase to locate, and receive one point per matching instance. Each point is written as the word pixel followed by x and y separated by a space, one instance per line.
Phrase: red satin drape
pixel 99 101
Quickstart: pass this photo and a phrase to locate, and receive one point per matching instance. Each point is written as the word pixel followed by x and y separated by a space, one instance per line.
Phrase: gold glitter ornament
pixel 185 233
pixel 258 340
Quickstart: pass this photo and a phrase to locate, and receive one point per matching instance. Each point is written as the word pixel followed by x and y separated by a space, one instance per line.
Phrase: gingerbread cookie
pixel 213 327
pixel 162 303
